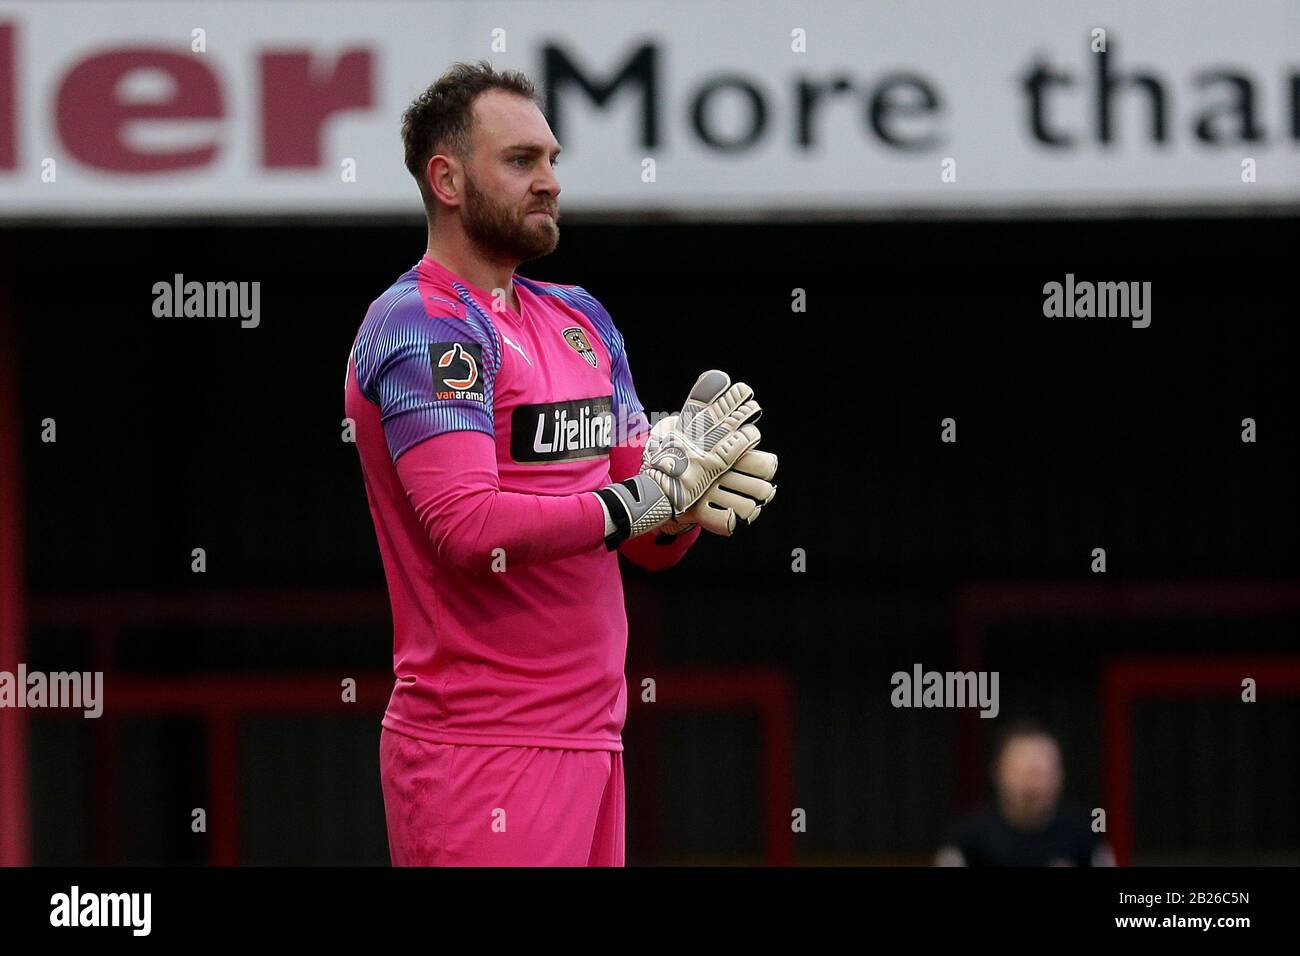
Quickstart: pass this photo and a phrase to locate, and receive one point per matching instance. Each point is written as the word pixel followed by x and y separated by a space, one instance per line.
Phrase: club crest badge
pixel 576 337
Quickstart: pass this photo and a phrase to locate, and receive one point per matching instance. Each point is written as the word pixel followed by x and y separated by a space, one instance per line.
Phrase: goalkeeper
pixel 485 406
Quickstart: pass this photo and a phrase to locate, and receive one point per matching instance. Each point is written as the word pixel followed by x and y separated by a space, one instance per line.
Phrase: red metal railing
pixel 14 848
pixel 221 701
pixel 1126 681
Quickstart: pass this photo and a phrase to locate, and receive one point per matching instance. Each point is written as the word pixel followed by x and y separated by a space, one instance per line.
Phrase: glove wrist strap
pixel 635 506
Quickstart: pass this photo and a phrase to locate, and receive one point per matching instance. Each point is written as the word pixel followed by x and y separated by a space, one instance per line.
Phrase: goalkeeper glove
pixel 737 498
pixel 684 455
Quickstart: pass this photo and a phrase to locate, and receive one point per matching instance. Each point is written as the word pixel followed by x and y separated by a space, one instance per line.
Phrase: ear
pixel 446 178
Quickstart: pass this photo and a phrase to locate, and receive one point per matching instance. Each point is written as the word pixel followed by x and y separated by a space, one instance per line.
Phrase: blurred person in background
pixel 1028 824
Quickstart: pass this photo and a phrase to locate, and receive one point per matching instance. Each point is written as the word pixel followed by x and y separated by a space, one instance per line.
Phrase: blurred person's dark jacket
pixel 985 838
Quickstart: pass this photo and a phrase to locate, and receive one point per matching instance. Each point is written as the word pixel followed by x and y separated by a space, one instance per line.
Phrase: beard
pixel 503 232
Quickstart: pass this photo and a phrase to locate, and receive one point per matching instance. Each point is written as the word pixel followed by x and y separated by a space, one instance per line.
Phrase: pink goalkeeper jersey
pixel 481 435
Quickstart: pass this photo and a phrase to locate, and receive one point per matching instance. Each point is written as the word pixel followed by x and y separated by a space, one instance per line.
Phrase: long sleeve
pixel 451 482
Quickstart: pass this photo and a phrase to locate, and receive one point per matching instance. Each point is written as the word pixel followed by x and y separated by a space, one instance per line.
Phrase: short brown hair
pixel 439 119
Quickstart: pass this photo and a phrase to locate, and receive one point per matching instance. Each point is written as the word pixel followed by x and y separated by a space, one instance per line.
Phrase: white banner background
pixel 974 56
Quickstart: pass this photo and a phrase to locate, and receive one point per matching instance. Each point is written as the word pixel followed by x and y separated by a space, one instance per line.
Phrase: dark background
pixel 1072 434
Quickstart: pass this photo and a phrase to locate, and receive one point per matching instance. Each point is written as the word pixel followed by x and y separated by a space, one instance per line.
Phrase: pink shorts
pixel 458 805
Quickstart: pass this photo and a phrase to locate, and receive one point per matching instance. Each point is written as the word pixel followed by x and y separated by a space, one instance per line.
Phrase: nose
pixel 549 185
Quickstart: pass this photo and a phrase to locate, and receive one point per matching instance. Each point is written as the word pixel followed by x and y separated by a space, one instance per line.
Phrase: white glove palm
pixel 687 453
pixel 739 496
pixel 735 499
